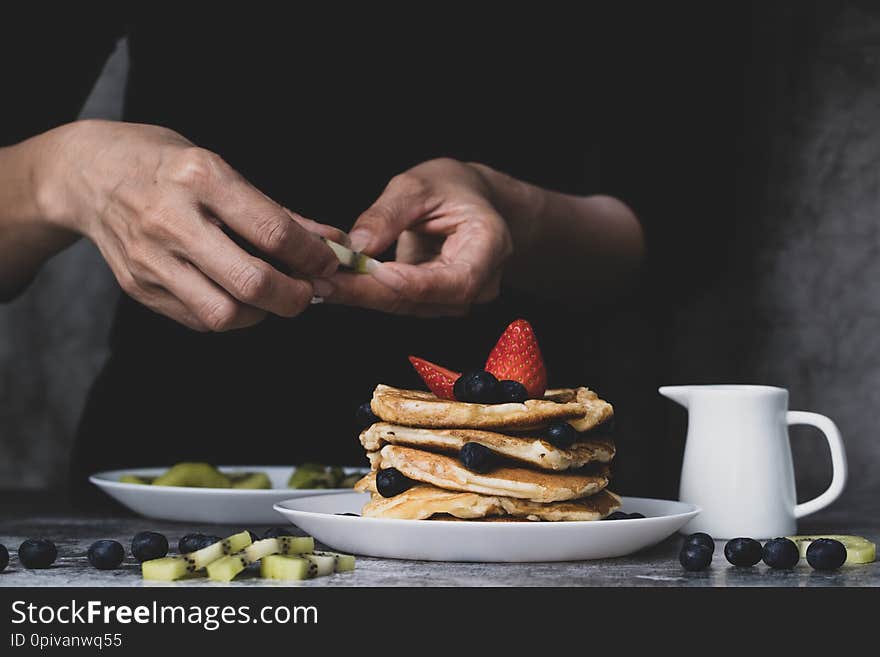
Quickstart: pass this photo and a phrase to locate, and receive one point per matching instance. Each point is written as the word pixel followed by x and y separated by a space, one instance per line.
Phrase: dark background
pixel 745 137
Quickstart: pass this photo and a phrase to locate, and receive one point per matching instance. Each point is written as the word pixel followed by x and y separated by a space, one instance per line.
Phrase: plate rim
pixel 102 480
pixel 694 511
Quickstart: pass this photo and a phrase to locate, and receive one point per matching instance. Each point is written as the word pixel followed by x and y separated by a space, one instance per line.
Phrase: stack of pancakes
pixel 421 436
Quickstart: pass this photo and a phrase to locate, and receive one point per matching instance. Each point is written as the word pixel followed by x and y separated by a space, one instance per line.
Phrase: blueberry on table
pixel 4 557
pixel 146 546
pixel 106 554
pixel 743 552
pixel 617 515
pixel 37 553
pixel 781 553
pixel 391 482
pixel 561 434
pixel 511 391
pixel 700 538
pixel 826 554
pixel 364 416
pixel 476 457
pixel 195 542
pixel 275 532
pixel 695 556
pixel 479 387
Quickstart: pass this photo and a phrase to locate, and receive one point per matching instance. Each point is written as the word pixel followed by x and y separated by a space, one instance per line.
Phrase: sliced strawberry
pixel 438 379
pixel 517 357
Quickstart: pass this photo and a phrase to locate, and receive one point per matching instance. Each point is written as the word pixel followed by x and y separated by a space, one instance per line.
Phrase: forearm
pixel 566 245
pixel 28 235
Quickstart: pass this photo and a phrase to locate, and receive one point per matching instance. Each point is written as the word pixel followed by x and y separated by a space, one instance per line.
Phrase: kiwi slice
pixel 168 569
pixel 858 548
pixel 136 479
pixel 343 562
pixel 324 564
pixel 226 568
pixel 283 567
pixel 250 480
pixel 196 475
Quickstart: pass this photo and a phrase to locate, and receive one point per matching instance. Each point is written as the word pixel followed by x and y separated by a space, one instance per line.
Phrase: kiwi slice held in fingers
pixel 858 548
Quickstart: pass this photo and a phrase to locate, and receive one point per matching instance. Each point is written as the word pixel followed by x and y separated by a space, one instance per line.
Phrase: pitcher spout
pixel 680 394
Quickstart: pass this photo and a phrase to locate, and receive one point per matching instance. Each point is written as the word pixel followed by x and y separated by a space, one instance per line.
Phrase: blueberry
pixel 193 542
pixel 476 457
pixel 700 538
pixel 106 554
pixel 617 515
pixel 511 391
pixel 364 416
pixel 743 551
pixel 4 557
pixel 149 545
pixel 826 554
pixel 37 553
pixel 391 482
pixel 695 556
pixel 561 434
pixel 478 387
pixel 781 553
pixel 275 532
pixel 635 516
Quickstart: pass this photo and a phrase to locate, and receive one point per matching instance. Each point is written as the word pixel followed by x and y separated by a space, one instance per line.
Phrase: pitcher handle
pixel 838 460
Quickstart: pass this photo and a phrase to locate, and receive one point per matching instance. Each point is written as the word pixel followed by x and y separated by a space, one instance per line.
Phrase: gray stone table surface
pixel 27 515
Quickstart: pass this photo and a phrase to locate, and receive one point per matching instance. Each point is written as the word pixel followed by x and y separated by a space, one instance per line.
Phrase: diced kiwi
pixel 197 475
pixel 226 568
pixel 166 569
pixel 283 567
pixel 201 558
pixel 858 548
pixel 250 480
pixel 136 479
pixel 308 478
pixel 343 562
pixel 324 564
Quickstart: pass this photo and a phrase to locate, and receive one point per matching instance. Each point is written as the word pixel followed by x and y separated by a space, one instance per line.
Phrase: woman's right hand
pixel 156 206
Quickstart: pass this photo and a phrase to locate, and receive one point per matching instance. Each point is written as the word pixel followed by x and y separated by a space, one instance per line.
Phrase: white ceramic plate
pixel 208 505
pixel 437 540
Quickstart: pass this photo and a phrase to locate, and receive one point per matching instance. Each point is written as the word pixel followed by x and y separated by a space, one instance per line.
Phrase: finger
pixel 404 201
pixel 213 307
pixel 164 303
pixel 330 232
pixel 257 218
pixel 247 278
pixel 366 292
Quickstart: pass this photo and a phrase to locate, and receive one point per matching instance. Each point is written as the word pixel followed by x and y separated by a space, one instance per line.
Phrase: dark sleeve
pixel 672 100
pixel 50 65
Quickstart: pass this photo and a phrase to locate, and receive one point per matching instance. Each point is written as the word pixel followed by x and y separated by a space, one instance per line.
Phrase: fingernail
pixel 389 277
pixel 323 288
pixel 360 239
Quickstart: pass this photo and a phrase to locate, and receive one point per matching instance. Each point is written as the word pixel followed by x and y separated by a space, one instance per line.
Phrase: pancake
pixel 416 408
pixel 531 450
pixel 448 473
pixel 424 501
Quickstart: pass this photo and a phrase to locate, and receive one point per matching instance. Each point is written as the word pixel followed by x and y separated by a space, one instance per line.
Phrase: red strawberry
pixel 438 379
pixel 517 356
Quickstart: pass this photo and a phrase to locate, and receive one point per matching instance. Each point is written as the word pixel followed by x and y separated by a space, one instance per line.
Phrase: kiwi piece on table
pixel 858 548
pixel 195 475
pixel 168 569
pixel 227 568
pixel 250 480
pixel 286 568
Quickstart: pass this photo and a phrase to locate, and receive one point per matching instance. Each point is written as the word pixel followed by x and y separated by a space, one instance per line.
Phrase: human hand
pixel 451 244
pixel 156 206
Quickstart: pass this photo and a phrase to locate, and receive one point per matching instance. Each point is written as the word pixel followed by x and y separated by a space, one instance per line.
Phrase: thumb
pixel 401 205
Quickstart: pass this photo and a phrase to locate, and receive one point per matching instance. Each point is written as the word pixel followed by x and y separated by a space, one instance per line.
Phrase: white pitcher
pixel 737 460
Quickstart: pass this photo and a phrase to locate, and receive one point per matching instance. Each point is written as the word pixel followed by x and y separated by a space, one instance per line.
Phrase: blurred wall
pixel 798 305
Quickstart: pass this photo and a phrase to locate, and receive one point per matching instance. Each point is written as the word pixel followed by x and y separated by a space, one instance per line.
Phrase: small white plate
pixel 437 540
pixel 208 505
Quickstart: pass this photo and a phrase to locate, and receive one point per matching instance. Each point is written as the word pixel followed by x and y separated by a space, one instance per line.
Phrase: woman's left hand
pixel 451 244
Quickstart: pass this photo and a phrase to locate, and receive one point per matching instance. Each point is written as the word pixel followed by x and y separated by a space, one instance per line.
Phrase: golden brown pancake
pixel 416 408
pixel 531 450
pixel 537 485
pixel 424 501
